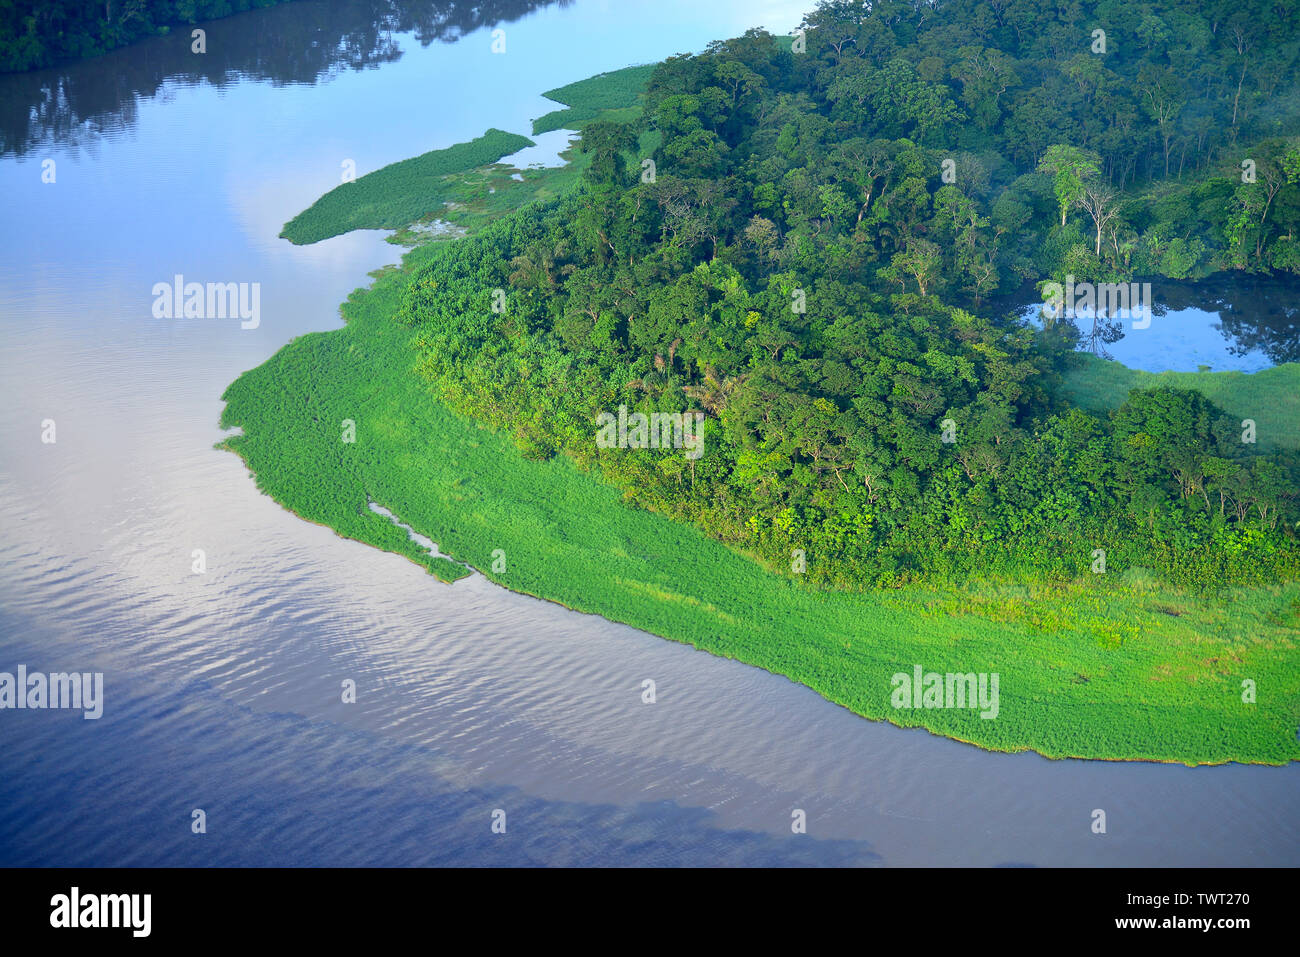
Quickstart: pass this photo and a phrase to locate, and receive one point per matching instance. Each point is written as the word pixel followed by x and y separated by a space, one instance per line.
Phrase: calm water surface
pixel 223 689
pixel 1224 323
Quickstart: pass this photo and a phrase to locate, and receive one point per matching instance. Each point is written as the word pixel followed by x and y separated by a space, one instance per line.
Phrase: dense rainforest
pixel 799 240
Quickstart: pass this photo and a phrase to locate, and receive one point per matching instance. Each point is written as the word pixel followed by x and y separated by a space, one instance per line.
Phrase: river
pixel 222 689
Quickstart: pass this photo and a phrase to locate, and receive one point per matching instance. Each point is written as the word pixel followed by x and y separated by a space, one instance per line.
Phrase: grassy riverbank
pixel 1119 666
pixel 444 194
pixel 399 193
pixel 613 96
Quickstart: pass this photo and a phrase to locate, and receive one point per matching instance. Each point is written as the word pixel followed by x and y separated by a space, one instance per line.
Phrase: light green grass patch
pixel 614 96
pixel 1270 397
pixel 399 193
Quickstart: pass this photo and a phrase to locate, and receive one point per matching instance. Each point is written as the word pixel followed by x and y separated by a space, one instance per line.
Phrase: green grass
pixel 1271 397
pixel 473 198
pixel 480 196
pixel 612 96
pixel 1108 667
pixel 399 193
pixel 463 185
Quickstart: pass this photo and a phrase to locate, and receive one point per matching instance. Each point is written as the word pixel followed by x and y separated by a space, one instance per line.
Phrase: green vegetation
pixel 1115 666
pixel 479 196
pixel 800 272
pixel 806 269
pixel 399 193
pixel 610 96
pixel 1271 397
pixel 463 185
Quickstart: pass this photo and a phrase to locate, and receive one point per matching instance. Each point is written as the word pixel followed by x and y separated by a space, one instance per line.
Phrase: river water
pixel 223 689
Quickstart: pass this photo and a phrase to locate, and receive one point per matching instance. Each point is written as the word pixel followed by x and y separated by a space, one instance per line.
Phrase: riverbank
pixel 1110 668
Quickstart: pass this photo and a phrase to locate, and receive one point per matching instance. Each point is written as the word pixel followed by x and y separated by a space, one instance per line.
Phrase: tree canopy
pixel 807 257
